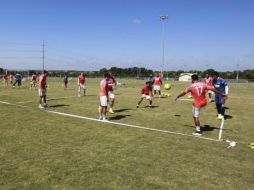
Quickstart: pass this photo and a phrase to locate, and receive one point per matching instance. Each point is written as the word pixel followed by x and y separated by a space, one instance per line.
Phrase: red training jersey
pixel 198 91
pixel 33 78
pixel 82 79
pixel 146 90
pixel 11 77
pixel 111 83
pixel 4 77
pixel 157 81
pixel 42 82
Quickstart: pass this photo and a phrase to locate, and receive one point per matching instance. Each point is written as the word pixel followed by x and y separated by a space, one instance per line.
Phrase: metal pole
pixel 237 73
pixel 43 55
pixel 163 18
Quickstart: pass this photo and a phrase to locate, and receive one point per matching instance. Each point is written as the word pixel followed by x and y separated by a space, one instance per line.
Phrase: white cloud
pixel 137 21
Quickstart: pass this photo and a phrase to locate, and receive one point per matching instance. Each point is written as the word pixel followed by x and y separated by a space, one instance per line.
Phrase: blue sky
pixel 91 34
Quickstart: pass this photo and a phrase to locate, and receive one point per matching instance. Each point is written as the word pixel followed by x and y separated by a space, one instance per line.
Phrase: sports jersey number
pixel 199 90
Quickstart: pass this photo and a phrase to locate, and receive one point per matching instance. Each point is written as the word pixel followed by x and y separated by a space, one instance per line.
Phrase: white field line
pixel 221 129
pixel 57 98
pixel 119 124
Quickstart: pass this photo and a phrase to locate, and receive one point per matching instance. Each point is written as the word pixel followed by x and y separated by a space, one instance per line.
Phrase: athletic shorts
pixel 111 94
pixel 157 87
pixel 103 101
pixel 83 86
pixel 42 92
pixel 210 92
pixel 219 99
pixel 195 112
pixel 147 97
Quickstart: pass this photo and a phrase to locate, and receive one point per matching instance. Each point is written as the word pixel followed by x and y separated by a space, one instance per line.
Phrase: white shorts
pixel 103 101
pixel 111 94
pixel 147 97
pixel 42 92
pixel 82 86
pixel 195 112
pixel 210 92
pixel 157 87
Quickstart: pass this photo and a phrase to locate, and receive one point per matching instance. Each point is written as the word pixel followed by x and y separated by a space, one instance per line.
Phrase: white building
pixel 185 76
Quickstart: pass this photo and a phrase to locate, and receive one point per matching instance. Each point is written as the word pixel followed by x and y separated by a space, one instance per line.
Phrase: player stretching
pixel 208 81
pixel 198 91
pixel 104 97
pixel 43 90
pixel 157 82
pixel 111 85
pixel 147 94
pixel 33 80
pixel 81 84
pixel 221 85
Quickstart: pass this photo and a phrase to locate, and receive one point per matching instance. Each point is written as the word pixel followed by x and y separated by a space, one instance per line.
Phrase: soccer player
pixel 43 90
pixel 111 85
pixel 208 81
pixel 33 80
pixel 11 78
pixel 146 93
pixel 65 80
pixel 198 91
pixel 5 80
pixel 221 85
pixel 18 78
pixel 104 97
pixel 157 85
pixel 81 84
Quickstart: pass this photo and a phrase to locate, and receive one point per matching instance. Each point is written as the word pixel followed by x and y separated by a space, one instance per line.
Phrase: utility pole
pixel 163 18
pixel 43 55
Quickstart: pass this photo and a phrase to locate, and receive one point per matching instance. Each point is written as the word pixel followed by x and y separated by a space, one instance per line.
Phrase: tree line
pixel 134 72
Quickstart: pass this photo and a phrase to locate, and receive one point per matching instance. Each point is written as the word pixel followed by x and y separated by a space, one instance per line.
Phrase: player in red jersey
pixel 209 82
pixel 5 80
pixel 157 82
pixel 146 93
pixel 81 84
pixel 11 78
pixel 111 95
pixel 33 80
pixel 43 90
pixel 198 91
pixel 104 97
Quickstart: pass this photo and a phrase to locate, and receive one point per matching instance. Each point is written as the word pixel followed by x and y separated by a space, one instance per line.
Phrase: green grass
pixel 40 150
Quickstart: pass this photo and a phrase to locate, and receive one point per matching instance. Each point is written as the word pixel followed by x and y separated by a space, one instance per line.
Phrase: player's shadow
pixel 226 108
pixel 177 115
pixel 228 117
pixel 58 105
pixel 208 128
pixel 121 110
pixel 118 117
pixel 151 107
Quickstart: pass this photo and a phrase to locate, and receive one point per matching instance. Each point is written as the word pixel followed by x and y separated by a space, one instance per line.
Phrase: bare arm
pixel 181 94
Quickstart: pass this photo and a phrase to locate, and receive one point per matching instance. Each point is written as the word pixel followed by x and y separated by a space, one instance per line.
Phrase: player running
pixel 146 93
pixel 111 85
pixel 198 91
pixel 208 81
pixel 33 80
pixel 221 85
pixel 81 84
pixel 43 90
pixel 157 82
pixel 104 97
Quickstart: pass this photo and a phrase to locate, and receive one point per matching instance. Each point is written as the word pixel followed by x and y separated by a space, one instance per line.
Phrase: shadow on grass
pixel 228 117
pixel 177 115
pixel 208 128
pixel 151 107
pixel 121 110
pixel 118 117
pixel 58 105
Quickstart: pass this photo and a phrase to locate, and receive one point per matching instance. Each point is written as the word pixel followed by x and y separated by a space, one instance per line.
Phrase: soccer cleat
pixel 100 117
pixel 137 106
pixel 41 107
pixel 220 116
pixel 197 133
pixel 45 105
pixel 150 106
pixel 111 110
pixel 105 120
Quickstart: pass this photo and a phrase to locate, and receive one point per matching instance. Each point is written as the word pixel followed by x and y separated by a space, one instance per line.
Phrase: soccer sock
pixel 222 110
pixel 218 106
pixel 198 128
pixel 103 116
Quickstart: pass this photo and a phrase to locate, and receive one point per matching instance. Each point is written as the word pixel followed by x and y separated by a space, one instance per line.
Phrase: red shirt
pixel 198 91
pixel 157 81
pixel 33 77
pixel 82 79
pixel 42 82
pixel 4 77
pixel 146 90
pixel 208 81
pixel 111 82
pixel 11 77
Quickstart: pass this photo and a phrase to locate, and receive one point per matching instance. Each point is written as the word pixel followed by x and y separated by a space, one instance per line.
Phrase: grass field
pixel 41 150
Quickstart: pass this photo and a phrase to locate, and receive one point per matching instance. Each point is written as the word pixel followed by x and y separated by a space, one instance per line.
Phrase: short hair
pixel 147 83
pixel 215 74
pixel 194 77
pixel 106 75
pixel 45 72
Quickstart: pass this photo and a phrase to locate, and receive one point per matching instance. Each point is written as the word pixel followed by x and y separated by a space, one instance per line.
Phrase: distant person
pixel 151 81
pixel 65 80
pixel 157 82
pixel 43 90
pixel 81 84
pixel 198 91
pixel 221 85
pixel 5 80
pixel 18 79
pixel 33 80
pixel 146 93
pixel 11 78
pixel 209 82
pixel 104 97
pixel 111 84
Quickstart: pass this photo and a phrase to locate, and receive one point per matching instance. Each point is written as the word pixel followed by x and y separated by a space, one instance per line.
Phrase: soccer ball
pixel 190 96
pixel 251 145
pixel 167 86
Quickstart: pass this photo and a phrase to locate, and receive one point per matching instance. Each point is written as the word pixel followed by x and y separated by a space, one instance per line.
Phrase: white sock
pixel 198 128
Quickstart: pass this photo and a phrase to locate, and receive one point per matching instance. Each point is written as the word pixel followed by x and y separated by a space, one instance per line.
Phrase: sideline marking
pixel 119 124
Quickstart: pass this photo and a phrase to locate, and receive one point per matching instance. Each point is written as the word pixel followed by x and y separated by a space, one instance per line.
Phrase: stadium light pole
pixel 43 55
pixel 163 18
pixel 237 73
